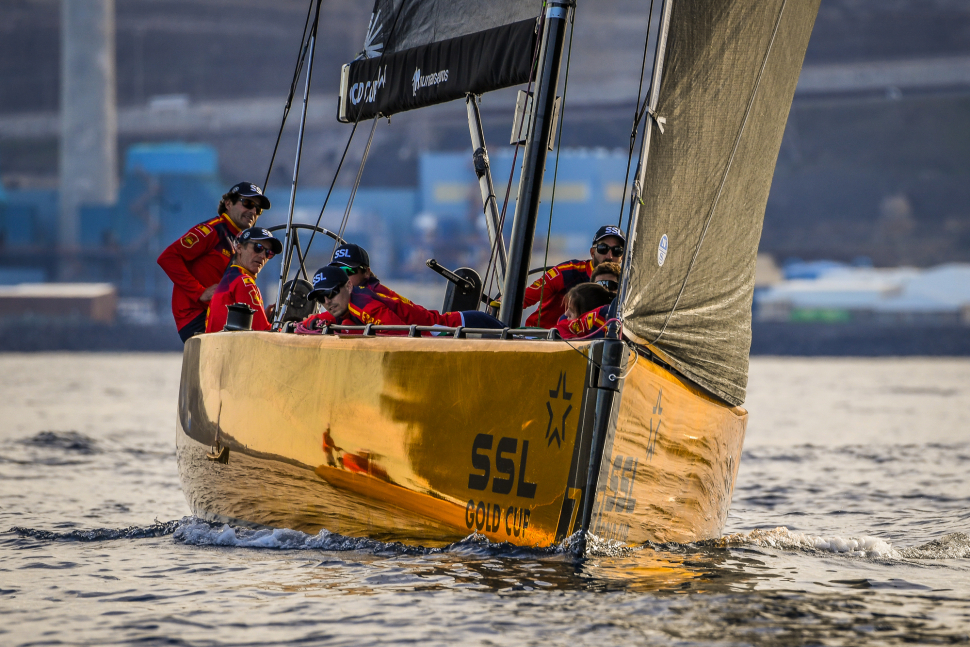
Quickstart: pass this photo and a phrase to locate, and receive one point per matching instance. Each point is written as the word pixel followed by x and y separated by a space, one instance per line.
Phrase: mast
pixel 484 173
pixel 637 192
pixel 534 160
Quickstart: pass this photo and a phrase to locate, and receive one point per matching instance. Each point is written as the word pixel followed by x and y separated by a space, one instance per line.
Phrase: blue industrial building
pixel 166 188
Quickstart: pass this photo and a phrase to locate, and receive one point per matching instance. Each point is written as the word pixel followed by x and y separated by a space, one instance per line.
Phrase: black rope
pixel 288 255
pixel 336 174
pixel 638 113
pixel 353 190
pixel 300 58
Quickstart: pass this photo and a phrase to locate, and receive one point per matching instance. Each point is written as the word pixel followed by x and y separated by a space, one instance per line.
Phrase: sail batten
pixel 729 76
pixel 417 54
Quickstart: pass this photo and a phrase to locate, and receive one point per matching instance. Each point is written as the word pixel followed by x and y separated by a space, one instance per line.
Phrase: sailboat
pixel 518 435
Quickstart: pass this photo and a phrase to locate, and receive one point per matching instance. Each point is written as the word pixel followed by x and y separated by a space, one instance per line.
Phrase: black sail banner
pixel 729 77
pixel 421 52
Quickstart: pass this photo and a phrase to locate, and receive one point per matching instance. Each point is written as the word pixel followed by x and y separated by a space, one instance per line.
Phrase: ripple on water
pixel 69 441
pixel 198 532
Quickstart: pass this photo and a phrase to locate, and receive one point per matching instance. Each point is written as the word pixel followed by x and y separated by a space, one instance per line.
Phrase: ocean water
pixel 850 525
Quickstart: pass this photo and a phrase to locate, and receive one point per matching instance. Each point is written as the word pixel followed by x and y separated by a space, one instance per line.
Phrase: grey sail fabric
pixel 422 22
pixel 420 53
pixel 728 81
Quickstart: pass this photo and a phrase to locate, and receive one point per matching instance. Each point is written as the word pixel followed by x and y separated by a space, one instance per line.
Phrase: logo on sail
pixel 418 81
pixel 371 48
pixel 366 91
pixel 662 250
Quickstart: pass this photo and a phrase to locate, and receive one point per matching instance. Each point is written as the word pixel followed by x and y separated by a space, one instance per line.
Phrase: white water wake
pixel 951 546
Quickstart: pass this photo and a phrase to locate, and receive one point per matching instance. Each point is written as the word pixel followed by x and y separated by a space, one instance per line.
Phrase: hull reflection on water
pixel 429 440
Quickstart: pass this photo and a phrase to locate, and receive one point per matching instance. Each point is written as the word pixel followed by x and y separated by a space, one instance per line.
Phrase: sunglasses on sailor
pixel 349 271
pixel 251 204
pixel 603 248
pixel 612 286
pixel 322 295
pixel 260 248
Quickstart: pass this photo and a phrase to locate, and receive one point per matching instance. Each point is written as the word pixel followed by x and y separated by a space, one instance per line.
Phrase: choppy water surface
pixel 850 525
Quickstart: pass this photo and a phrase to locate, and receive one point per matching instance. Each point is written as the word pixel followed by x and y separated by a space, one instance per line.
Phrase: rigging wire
pixel 353 190
pixel 555 172
pixel 287 243
pixel 350 139
pixel 727 169
pixel 300 59
pixel 637 117
pixel 493 257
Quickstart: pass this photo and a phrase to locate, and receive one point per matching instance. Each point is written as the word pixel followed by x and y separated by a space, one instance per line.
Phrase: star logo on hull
pixel 558 433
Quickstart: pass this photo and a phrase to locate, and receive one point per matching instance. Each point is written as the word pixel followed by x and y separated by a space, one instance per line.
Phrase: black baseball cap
pixel 250 190
pixel 608 230
pixel 326 280
pixel 259 234
pixel 350 255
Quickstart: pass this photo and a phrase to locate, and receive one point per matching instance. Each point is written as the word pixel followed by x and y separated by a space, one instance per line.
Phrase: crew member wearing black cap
pixel 355 262
pixel 344 304
pixel 255 246
pixel 197 260
pixel 555 283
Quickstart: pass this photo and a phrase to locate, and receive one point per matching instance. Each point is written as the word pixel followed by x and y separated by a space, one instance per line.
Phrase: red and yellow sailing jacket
pixel 589 325
pixel 237 286
pixel 557 281
pixel 194 262
pixel 409 311
pixel 364 308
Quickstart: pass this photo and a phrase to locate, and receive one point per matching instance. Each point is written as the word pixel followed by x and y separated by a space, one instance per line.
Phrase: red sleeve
pixel 553 281
pixel 584 325
pixel 246 291
pixel 189 247
pixel 314 323
pixel 377 313
pixel 318 320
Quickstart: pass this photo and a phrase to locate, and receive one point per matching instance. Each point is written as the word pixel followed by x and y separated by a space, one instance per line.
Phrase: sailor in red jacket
pixel 238 285
pixel 197 261
pixel 344 304
pixel 552 286
pixel 587 311
pixel 355 262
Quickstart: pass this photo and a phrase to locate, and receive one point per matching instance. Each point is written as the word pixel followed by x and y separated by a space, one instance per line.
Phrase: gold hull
pixel 426 440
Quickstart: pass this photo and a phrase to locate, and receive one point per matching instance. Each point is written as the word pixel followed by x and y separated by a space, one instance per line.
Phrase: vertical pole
pixel 287 242
pixel 89 122
pixel 484 173
pixel 640 180
pixel 534 161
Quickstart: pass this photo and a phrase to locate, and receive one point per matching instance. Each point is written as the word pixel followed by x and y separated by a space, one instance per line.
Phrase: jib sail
pixel 728 80
pixel 421 52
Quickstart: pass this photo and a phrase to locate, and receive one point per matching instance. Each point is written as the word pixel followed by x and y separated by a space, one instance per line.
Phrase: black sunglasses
pixel 612 286
pixel 603 248
pixel 260 248
pixel 251 204
pixel 320 294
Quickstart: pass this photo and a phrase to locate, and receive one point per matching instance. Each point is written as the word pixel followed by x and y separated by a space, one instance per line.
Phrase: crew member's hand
pixel 270 311
pixel 207 295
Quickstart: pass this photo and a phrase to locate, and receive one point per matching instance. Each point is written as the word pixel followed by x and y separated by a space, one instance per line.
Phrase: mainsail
pixel 418 54
pixel 729 76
